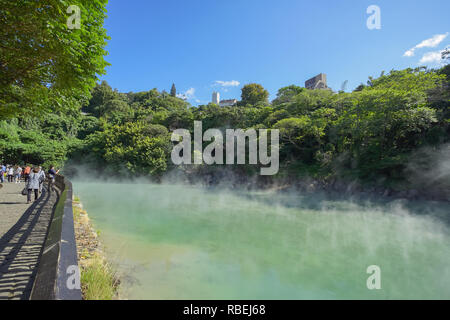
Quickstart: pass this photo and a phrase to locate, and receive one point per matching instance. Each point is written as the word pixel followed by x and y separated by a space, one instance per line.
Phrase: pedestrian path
pixel 23 230
pixel 12 205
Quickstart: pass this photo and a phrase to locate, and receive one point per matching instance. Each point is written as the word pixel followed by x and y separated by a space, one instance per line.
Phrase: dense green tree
pixel 20 146
pixel 253 94
pixel 115 111
pixel 43 63
pixel 369 134
pixel 287 93
pixel 359 88
pixel 173 90
pixel 101 94
pixel 140 149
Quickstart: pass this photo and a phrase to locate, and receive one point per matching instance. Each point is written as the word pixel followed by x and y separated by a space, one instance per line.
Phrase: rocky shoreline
pixel 424 192
pixel 92 258
pixel 86 238
pixel 355 189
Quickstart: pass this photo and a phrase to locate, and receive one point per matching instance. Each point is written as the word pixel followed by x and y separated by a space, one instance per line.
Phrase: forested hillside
pixel 374 134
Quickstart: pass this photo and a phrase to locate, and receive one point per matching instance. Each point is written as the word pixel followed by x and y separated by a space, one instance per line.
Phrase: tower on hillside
pixel 216 98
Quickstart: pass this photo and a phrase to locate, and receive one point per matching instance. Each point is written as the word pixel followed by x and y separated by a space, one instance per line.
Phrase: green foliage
pixel 287 93
pixel 142 149
pixel 42 61
pixel 253 94
pixel 368 134
pixel 99 281
pixel 173 91
pixel 48 74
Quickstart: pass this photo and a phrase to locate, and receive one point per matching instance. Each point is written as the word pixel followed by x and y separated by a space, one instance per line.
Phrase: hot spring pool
pixel 184 242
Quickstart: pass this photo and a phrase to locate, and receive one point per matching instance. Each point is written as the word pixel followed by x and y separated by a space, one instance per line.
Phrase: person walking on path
pixel 33 184
pixel 2 173
pixel 18 174
pixel 52 172
pixel 41 178
pixel 26 173
pixel 10 174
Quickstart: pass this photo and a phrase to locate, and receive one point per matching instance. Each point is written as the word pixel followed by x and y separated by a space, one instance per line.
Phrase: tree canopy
pixel 369 134
pixel 253 94
pixel 44 65
pixel 173 91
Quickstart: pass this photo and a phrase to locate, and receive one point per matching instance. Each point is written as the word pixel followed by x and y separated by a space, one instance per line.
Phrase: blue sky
pixel 207 45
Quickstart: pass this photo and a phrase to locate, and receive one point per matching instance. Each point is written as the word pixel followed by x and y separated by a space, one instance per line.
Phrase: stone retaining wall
pixel 58 275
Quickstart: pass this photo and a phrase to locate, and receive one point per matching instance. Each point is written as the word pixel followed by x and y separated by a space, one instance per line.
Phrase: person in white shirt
pixel 10 174
pixel 18 174
pixel 41 174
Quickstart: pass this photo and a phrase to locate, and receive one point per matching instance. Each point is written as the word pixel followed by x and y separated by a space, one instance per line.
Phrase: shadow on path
pixel 21 246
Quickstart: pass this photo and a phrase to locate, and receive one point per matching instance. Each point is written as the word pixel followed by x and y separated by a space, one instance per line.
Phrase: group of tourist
pixel 33 177
pixel 12 173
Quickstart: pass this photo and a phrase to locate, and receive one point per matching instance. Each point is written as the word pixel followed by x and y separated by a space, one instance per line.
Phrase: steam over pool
pixel 184 242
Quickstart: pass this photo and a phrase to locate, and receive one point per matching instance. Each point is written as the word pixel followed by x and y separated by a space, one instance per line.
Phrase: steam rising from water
pixel 429 168
pixel 185 242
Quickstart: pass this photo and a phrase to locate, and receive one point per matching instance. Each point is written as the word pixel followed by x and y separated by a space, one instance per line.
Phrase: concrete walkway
pixel 12 205
pixel 23 229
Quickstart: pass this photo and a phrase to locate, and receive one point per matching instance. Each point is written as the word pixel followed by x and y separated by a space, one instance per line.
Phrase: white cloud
pixel 232 83
pixel 190 92
pixel 433 57
pixel 432 42
pixel 409 53
pixel 188 95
